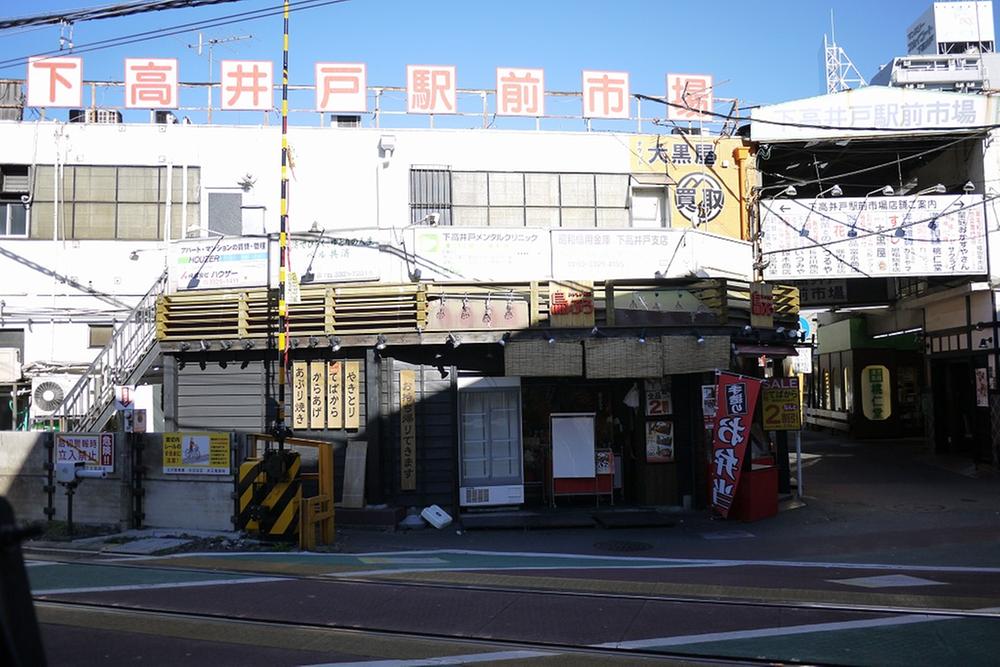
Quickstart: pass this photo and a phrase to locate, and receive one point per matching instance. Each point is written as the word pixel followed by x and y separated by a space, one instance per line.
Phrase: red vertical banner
pixel 735 401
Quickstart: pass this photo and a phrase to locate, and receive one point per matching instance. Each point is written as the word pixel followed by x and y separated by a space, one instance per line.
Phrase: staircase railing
pixel 129 344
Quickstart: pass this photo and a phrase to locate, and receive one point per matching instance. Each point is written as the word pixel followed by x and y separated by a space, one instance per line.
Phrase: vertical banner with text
pixel 300 395
pixel 407 431
pixel 352 394
pixel 735 403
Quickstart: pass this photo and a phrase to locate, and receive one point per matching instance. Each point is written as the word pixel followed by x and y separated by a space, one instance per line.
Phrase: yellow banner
pixel 300 395
pixel 352 394
pixel 702 178
pixel 407 431
pixel 335 399
pixel 317 395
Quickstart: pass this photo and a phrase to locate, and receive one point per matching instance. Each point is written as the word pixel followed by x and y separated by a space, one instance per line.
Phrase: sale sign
pixel 781 404
pixel 735 403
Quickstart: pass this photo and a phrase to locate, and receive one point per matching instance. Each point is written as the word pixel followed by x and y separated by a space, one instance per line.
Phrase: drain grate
pixel 623 546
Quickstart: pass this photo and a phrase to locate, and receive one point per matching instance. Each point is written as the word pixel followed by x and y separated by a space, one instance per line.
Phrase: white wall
pixel 339 178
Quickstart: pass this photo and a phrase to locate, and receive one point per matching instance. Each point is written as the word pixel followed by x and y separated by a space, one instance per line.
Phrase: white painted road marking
pixel 445 660
pixel 887 581
pixel 175 584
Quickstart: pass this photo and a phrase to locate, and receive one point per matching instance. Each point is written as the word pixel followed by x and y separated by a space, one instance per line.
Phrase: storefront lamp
pixel 504 339
pixel 380 342
pixel 334 343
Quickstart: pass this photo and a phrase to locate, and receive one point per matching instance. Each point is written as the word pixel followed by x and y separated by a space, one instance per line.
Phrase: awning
pixel 758 350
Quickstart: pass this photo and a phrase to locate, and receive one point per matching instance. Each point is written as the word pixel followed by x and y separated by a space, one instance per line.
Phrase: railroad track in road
pixel 948 612
pixel 479 648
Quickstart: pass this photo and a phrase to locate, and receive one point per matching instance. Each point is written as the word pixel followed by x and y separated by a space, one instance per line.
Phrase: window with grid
pixel 14 191
pixel 113 202
pixel 520 199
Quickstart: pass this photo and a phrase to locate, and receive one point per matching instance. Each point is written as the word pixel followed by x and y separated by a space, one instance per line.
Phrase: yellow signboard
pixel 300 395
pixel 781 404
pixel 407 431
pixel 196 453
pixel 335 398
pixel 352 394
pixel 702 177
pixel 876 397
pixel 317 395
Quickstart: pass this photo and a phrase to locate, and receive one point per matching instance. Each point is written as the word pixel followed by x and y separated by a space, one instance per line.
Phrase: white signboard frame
pixel 848 237
pixel 606 254
pixel 482 253
pixel 573 445
pixel 332 257
pixel 218 263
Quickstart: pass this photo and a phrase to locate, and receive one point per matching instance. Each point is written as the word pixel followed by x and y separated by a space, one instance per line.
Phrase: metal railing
pixel 129 344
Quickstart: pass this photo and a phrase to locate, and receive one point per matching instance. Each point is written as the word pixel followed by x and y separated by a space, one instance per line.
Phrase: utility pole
pixel 210 43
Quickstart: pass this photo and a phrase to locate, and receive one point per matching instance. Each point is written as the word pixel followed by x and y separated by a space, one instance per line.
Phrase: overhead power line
pixel 106 12
pixel 178 29
pixel 816 126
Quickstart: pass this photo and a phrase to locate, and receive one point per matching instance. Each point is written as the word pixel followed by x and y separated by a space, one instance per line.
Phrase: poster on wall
pixel 196 453
pixel 659 442
pixel 982 391
pixel 736 399
pixel 658 399
pixel 708 403
pixel 96 451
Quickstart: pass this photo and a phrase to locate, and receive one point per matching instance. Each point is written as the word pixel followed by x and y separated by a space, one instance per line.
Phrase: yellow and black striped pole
pixel 281 429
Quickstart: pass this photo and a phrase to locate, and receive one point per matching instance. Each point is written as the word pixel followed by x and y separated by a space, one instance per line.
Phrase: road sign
pixel 124 396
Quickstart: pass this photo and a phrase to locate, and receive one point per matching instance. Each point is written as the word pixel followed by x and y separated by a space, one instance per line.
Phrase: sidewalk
pixel 873 501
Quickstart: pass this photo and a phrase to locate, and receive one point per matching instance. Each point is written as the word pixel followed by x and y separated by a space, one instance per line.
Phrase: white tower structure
pixel 841 74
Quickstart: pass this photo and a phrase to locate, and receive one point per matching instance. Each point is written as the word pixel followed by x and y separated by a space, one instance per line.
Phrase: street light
pixel 834 191
pixel 936 189
pixel 968 189
pixel 886 191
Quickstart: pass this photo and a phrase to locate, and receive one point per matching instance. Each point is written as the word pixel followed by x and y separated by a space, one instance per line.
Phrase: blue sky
pixel 759 51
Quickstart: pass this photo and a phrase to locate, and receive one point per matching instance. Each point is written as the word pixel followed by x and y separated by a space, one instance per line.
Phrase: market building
pixel 469 304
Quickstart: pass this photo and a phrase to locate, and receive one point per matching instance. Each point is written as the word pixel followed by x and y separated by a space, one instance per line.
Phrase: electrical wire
pixel 106 12
pixel 816 126
pixel 150 35
pixel 890 232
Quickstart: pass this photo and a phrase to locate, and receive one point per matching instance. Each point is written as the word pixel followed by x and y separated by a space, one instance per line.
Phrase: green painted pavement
pixel 956 641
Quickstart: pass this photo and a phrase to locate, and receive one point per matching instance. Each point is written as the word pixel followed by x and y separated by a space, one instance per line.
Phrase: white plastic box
pixel 436 516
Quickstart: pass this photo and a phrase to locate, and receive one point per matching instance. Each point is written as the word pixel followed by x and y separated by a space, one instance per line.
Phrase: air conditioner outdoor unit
pixel 341 120
pixel 48 392
pixel 10 364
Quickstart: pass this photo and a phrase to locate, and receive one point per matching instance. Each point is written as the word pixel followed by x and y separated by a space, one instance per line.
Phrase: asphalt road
pixel 893 560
